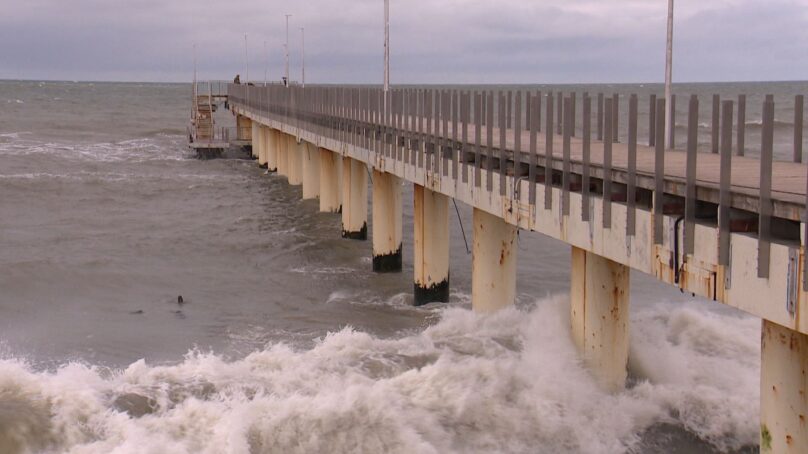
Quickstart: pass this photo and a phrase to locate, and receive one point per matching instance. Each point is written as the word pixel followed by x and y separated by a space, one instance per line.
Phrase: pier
pixel 715 223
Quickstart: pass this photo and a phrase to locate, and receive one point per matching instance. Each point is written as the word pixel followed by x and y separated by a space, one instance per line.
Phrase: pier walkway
pixel 726 227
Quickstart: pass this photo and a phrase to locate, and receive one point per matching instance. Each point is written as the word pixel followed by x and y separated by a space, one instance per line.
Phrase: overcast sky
pixel 438 41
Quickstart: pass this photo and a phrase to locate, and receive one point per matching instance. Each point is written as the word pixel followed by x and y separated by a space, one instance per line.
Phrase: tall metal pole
pixel 266 62
pixel 287 49
pixel 246 62
pixel 303 56
pixel 668 76
pixel 386 51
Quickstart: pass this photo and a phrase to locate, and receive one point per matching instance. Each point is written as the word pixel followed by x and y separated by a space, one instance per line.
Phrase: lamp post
pixel 386 51
pixel 287 49
pixel 303 57
pixel 668 76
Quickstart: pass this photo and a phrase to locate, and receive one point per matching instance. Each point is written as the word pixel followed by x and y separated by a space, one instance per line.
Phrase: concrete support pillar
pixel 294 156
pixel 354 199
pixel 271 143
pixel 256 137
pixel 260 138
pixel 599 306
pixel 386 222
pixel 330 181
pixel 493 265
pixel 431 246
pixel 311 171
pixel 783 388
pixel 283 154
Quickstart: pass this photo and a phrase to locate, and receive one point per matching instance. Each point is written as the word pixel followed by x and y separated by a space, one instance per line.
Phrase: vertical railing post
pixel 631 186
pixel 600 116
pixel 517 139
pixel 672 135
pixel 573 107
pixel 659 171
pixel 608 130
pixel 565 172
pixel 586 143
pixel 535 108
pixel 798 125
pixel 478 126
pixel 724 196
pixel 765 200
pixel 652 121
pixel 714 131
pixel 741 140
pixel 548 156
pixel 615 117
pixel 690 175
pixel 489 135
pixel 503 127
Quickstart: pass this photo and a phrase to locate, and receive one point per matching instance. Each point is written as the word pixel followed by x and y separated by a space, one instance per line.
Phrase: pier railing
pixel 593 144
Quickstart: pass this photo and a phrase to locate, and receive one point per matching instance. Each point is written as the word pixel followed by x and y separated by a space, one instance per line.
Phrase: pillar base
pixel 435 293
pixel 388 263
pixel 362 234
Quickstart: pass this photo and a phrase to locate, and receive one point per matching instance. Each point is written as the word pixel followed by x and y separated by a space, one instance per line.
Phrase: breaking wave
pixel 509 382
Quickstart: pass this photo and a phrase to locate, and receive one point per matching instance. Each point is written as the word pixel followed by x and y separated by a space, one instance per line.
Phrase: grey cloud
pixel 465 41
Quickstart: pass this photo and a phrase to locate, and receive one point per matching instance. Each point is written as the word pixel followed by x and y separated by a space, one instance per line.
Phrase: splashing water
pixel 507 382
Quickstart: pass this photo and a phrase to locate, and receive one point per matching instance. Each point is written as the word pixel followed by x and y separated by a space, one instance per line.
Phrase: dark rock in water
pixel 137 312
pixel 180 300
pixel 135 405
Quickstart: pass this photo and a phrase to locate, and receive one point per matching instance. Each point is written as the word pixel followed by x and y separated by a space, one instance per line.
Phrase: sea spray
pixel 508 382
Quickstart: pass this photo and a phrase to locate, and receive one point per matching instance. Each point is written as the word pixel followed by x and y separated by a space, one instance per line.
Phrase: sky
pixel 445 41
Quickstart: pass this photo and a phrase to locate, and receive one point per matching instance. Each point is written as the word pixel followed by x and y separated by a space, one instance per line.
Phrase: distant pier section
pixel 205 137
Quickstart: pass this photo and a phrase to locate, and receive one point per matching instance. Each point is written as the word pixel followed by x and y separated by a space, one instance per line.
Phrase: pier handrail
pixel 463 131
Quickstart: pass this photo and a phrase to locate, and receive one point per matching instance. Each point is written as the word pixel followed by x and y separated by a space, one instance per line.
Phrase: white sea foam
pixel 509 382
pixel 138 150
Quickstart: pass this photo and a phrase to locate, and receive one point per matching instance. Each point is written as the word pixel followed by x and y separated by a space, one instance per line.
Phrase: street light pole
pixel 246 62
pixel 303 56
pixel 266 62
pixel 287 49
pixel 669 131
pixel 386 51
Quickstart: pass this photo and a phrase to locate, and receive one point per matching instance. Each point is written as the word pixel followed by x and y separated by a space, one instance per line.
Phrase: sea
pixel 286 341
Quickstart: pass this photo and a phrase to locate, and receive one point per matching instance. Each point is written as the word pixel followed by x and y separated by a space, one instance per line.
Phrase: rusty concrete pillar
pixel 431 246
pixel 783 388
pixel 330 181
pixel 599 306
pixel 354 199
pixel 386 222
pixel 311 171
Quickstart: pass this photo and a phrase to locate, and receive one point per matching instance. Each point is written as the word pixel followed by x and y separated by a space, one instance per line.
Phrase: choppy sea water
pixel 287 341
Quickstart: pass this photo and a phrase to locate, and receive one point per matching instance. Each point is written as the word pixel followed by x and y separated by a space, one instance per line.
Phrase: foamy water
pixel 510 382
